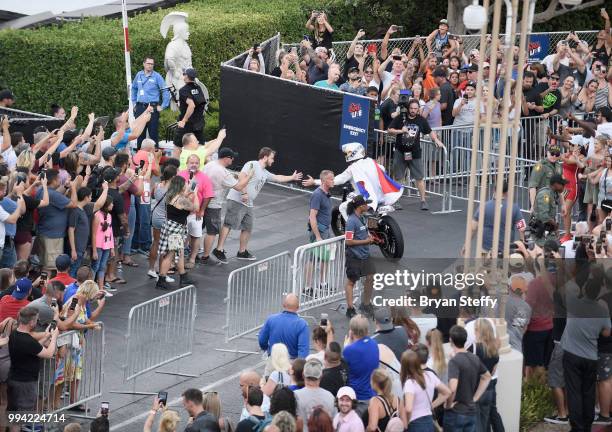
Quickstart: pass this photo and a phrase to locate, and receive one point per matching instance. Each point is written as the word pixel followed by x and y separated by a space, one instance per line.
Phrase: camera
pixel 404 98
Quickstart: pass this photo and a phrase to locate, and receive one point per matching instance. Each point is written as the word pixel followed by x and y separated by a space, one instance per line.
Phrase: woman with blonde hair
pixel 284 422
pixel 384 406
pixel 169 419
pixel 437 357
pixel 279 364
pixel 212 404
pixel 487 350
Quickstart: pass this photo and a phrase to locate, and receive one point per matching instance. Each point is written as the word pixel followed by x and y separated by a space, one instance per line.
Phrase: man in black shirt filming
pixel 192 104
pixel 407 128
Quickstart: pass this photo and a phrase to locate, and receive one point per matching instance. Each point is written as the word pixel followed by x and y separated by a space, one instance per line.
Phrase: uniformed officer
pixel 192 102
pixel 146 89
pixel 545 210
pixel 544 170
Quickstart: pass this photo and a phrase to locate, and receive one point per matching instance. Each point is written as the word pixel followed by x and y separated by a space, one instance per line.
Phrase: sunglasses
pixel 555 153
pixel 369 72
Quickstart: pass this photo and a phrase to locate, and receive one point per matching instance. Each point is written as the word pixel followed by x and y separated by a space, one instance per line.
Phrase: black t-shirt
pixel 204 422
pixel 276 71
pixel 325 40
pixel 80 220
pixel 117 211
pixel 533 95
pixel 350 63
pixel 411 141
pixel 25 363
pixel 194 92
pixel 26 222
pixel 489 362
pixel 552 101
pixel 315 74
pixel 248 425
pixel 447 95
pixel 467 369
pixel 333 378
pixel 387 108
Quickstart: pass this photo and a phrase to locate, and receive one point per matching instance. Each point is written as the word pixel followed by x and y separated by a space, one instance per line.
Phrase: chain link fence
pixel 469 42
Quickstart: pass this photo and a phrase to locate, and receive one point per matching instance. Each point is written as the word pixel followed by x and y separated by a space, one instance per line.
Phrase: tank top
pixel 104 233
pixel 602 54
pixel 390 412
pixel 570 172
pixel 177 215
pixel 439 42
pixel 601 97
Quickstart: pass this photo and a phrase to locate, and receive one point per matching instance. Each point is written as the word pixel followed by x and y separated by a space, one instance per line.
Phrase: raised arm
pixel 384 48
pixel 6 135
pixel 351 50
pixel 213 145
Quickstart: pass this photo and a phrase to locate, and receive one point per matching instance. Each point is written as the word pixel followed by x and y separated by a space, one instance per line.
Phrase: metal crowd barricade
pixel 318 272
pixel 160 331
pixel 254 292
pixel 469 42
pixel 75 374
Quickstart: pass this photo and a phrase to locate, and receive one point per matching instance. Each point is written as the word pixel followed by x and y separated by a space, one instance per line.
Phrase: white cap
pixel 346 391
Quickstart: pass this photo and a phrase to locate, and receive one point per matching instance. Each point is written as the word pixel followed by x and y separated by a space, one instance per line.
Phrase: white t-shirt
pixel 589 143
pixel 467 114
pixel 605 128
pixel 388 77
pixel 425 323
pixel 10 157
pixel 280 378
pixel 318 355
pixel 222 181
pixel 257 182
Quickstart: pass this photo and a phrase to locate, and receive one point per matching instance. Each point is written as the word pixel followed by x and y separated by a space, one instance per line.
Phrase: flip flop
pixel 117 280
pixel 130 264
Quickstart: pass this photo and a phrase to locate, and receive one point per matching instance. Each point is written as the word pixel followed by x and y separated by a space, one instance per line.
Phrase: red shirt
pixel 63 278
pixel 10 307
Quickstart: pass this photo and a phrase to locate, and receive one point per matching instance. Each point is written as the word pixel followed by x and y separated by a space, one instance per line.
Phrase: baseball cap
pixel 439 72
pixel 484 65
pixel 443 21
pixel 313 369
pixel 39 136
pixel 22 288
pixel 110 174
pixel 382 317
pixel 353 69
pixel 558 178
pixel 346 391
pixel 606 204
pixel 62 262
pixel 471 84
pixel 191 73
pixel 359 200
pixel 516 261
pixel 7 94
pixel 227 152
pixel 69 135
pixel 109 152
pixel 554 75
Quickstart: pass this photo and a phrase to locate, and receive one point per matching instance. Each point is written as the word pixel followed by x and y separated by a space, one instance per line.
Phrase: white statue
pixel 178 53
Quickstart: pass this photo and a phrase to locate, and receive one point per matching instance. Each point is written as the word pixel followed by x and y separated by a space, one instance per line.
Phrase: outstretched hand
pixel 308 182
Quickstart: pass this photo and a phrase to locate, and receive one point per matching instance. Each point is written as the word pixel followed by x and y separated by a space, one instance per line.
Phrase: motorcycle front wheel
pixel 337 222
pixel 393 245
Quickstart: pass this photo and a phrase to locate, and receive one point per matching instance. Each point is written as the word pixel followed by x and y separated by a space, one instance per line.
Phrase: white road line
pixel 177 401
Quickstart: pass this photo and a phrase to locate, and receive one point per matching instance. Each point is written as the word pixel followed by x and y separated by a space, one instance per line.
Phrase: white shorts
pixel 194 227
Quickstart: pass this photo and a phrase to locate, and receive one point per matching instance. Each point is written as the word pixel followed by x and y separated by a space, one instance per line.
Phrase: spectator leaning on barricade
pixel 287 328
pixel 146 88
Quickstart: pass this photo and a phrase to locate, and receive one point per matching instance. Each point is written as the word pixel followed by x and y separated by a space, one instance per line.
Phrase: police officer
pixel 192 102
pixel 544 170
pixel 146 88
pixel 545 210
pixel 358 262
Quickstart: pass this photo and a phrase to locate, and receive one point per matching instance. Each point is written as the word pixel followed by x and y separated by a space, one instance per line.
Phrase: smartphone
pixel 608 224
pixel 397 58
pixel 104 408
pixel 255 46
pixel 43 276
pixel 194 185
pixel 191 175
pixel 52 326
pixel 372 48
pixel 162 396
pixel 324 320
pixel 53 302
pixel 42 174
pixel 598 246
pixel 602 235
pixel 530 244
pixel 73 303
pixel 465 96
pixel 562 251
pixel 137 170
pixel 399 28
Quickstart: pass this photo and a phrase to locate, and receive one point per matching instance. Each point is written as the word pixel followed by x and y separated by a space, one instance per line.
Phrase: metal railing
pixel 254 292
pixel 318 272
pixel 75 374
pixel 160 331
pixel 469 42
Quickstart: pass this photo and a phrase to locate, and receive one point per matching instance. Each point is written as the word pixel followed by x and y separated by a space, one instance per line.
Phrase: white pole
pixel 128 65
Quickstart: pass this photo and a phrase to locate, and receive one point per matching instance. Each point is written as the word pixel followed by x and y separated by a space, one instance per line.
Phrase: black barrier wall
pixel 300 122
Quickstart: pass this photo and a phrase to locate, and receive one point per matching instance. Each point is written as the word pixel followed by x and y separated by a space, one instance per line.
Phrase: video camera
pixel 404 99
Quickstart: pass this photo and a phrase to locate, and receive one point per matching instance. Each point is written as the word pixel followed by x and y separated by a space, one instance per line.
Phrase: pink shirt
pixel 104 238
pixel 205 186
pixel 421 403
pixel 348 423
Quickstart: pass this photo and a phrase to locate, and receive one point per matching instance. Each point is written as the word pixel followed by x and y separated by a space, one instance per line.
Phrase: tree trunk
pixel 455 15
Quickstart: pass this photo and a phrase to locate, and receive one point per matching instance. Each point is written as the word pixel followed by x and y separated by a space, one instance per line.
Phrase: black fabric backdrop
pixel 25 122
pixel 300 122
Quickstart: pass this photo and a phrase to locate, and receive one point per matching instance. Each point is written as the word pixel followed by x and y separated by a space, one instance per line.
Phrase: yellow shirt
pixel 185 153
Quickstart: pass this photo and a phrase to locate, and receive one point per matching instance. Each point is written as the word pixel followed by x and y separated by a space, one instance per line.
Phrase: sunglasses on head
pixel 555 153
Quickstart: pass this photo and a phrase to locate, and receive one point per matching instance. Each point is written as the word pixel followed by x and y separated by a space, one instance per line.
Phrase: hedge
pixel 83 64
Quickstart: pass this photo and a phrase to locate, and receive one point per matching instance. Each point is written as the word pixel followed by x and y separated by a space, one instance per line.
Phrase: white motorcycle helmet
pixel 353 151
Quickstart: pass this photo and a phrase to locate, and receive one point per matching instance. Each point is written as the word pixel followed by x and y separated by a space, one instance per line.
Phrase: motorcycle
pixel 382 227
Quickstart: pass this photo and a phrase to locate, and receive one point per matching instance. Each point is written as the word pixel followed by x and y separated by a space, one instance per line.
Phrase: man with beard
pixel 239 211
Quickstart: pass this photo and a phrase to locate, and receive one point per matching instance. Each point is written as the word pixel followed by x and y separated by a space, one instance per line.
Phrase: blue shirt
pixel 359 231
pixel 361 358
pixel 53 219
pixel 69 292
pixel 321 202
pixel 487 233
pixel 146 89
pixel 289 329
pixel 9 206
pixel 124 141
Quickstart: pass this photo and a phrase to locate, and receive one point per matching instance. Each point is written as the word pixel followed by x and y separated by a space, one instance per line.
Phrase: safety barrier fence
pixel 315 275
pixel 469 42
pixel 160 331
pixel 75 374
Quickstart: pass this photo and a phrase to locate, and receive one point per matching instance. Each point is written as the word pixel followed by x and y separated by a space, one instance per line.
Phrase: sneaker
pixel 601 420
pixel 556 420
pixel 152 274
pixel 350 312
pixel 424 206
pixel 220 255
pixel 162 284
pixel 107 285
pixel 169 279
pixel 186 280
pixel 110 289
pixel 246 255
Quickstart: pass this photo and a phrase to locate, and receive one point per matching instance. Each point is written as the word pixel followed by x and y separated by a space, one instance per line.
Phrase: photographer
pixel 543 219
pixel 408 127
pixel 255 64
pixel 358 262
